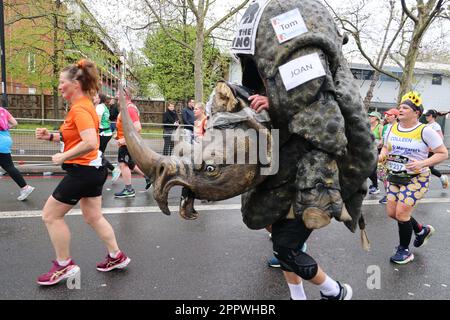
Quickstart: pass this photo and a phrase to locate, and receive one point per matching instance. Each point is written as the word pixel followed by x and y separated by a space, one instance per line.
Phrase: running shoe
pixel 402 256
pixel 422 239
pixel 58 273
pixel 274 262
pixel 115 174
pixel 383 200
pixel 113 263
pixel 345 293
pixel 25 192
pixel 444 181
pixel 374 190
pixel 148 183
pixel 125 193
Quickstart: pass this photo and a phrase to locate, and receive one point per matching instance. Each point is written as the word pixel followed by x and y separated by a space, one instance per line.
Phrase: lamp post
pixel 3 61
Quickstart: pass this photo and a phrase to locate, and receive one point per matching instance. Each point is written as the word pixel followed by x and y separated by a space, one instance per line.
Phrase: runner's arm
pixel 89 141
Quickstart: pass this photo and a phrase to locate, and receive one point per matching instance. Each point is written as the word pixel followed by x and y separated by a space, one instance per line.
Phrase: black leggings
pixel 433 170
pixel 374 177
pixel 103 143
pixel 7 164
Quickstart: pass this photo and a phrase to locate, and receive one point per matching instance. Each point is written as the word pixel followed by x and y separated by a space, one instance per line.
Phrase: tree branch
pixel 226 17
pixel 163 27
pixel 408 13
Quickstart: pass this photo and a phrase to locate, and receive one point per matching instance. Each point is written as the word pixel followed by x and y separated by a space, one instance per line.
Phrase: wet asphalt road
pixel 214 257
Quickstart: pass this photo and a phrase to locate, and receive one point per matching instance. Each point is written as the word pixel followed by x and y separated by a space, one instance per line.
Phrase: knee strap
pixel 294 260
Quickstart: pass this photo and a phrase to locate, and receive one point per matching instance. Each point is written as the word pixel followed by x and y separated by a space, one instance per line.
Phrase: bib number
pixel 397 164
pixel 396 167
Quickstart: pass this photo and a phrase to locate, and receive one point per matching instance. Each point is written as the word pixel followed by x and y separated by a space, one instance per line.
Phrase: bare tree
pixel 354 24
pixel 405 40
pixel 162 12
pixel 426 14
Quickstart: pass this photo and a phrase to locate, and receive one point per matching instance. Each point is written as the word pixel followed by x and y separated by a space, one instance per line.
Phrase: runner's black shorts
pixel 289 233
pixel 125 157
pixel 80 182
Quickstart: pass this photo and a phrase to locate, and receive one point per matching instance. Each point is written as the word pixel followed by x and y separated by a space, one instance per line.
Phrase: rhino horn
pixel 147 160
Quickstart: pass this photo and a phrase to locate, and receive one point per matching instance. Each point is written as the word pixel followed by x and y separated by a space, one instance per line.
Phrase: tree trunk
pixel 55 62
pixel 198 54
pixel 408 72
pixel 369 94
pixel 410 62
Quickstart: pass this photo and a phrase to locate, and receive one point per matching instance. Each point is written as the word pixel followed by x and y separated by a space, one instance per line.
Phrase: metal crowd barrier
pixel 28 149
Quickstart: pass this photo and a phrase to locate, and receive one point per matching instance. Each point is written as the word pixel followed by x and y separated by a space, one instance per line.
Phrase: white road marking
pixel 155 209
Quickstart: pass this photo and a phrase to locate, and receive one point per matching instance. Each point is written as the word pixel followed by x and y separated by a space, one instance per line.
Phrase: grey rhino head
pixel 213 169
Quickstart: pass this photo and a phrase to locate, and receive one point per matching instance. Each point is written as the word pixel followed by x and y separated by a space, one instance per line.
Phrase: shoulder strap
pixel 421 128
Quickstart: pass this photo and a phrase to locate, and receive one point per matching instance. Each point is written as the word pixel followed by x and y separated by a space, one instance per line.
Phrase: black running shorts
pixel 80 182
pixel 125 157
pixel 289 233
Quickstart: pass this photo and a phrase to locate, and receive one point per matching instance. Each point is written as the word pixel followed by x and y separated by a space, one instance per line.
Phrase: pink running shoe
pixel 58 273
pixel 113 263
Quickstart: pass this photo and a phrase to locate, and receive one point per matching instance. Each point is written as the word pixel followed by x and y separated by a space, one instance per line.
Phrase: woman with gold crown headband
pixel 405 150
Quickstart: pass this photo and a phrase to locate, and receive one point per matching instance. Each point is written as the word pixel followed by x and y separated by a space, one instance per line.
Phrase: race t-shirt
pixel 103 116
pixel 435 126
pixel 5 141
pixel 134 115
pixel 407 144
pixel 81 116
pixel 5 137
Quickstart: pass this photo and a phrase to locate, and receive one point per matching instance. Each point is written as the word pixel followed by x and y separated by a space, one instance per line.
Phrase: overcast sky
pixel 116 15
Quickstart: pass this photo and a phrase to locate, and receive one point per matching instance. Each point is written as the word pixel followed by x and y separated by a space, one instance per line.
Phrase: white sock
pixel 297 291
pixel 329 287
pixel 114 255
pixel 63 263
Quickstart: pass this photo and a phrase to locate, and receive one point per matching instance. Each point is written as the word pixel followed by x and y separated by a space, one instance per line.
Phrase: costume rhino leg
pixel 320 123
pixel 318 197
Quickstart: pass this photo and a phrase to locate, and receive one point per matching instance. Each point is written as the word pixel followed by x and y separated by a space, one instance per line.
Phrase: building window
pixel 362 74
pixel 437 79
pixel 357 73
pixel 31 62
pixel 367 74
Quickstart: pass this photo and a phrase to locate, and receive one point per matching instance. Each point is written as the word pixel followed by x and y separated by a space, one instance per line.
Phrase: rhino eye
pixel 210 169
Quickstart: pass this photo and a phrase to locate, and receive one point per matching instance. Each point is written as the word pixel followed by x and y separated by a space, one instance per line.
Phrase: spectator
pixel 188 117
pixel 171 122
pixel 113 113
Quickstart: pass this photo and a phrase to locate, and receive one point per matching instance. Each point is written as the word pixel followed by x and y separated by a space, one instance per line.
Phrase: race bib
pixel 397 164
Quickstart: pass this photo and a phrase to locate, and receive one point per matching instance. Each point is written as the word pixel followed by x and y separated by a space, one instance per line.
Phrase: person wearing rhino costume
pixel 325 149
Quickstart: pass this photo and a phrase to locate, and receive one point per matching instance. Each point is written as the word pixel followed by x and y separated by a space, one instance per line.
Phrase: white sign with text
pixel 289 25
pixel 301 70
pixel 244 40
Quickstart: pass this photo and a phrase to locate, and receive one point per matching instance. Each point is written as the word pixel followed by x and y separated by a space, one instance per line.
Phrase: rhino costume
pixel 326 149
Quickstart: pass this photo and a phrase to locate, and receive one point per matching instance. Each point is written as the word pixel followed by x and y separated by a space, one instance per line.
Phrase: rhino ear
pixel 224 100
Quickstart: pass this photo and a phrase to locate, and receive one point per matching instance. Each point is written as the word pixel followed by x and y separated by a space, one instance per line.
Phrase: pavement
pixel 213 258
